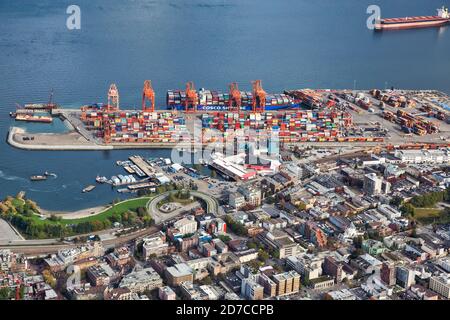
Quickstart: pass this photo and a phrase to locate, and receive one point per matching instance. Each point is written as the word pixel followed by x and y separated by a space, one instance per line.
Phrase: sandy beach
pixel 75 214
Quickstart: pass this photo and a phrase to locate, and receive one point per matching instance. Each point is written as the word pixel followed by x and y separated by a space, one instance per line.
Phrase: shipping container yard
pixel 296 116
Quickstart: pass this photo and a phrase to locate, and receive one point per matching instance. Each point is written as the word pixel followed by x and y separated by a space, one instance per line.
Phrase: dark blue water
pixel 287 44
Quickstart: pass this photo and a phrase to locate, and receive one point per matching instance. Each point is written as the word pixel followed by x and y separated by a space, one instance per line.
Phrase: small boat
pixel 38 178
pixel 88 188
pixel 101 179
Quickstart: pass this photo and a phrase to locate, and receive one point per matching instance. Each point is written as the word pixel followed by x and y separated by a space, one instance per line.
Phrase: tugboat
pixel 38 178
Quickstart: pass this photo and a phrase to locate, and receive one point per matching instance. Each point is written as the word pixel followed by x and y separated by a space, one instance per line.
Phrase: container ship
pixel 209 100
pixel 442 18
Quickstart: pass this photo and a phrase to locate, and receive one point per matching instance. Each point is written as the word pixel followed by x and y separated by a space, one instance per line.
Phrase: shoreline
pixel 72 142
pixel 78 214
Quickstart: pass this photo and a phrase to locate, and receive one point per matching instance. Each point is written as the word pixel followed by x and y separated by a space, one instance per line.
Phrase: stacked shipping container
pixel 140 127
pixel 291 127
pixel 209 100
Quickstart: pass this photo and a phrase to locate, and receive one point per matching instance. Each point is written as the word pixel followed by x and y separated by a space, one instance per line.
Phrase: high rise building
pixel 372 184
pixel 333 268
pixel 405 277
pixel 441 285
pixel 387 273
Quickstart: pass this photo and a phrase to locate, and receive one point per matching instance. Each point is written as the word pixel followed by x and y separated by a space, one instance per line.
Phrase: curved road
pixel 46 246
pixel 212 206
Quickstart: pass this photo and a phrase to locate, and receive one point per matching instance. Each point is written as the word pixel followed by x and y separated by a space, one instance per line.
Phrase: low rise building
pixel 179 273
pixel 58 262
pixel 251 289
pixel 154 246
pixel 343 294
pixel 139 281
pixel 308 266
pixel 441 285
pixel 287 283
pixel 281 242
pixel 100 275
pixel 186 225
pixel 166 293
pixel 322 283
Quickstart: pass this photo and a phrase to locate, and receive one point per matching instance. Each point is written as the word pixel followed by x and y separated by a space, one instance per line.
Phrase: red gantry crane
pixel 113 98
pixel 191 98
pixel 259 97
pixel 106 131
pixel 148 94
pixel 235 101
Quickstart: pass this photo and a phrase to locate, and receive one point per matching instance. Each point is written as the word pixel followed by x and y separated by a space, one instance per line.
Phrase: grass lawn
pixel 426 212
pixel 431 215
pixel 126 205
pixel 120 207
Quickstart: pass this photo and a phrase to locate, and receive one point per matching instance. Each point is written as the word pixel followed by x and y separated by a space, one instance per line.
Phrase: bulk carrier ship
pixel 442 18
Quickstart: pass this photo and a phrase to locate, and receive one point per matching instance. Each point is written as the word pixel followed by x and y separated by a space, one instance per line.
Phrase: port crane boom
pixel 259 97
pixel 234 101
pixel 148 94
pixel 191 98
pixel 113 98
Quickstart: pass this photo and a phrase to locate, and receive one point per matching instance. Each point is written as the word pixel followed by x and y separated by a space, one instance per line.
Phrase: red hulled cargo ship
pixel 442 18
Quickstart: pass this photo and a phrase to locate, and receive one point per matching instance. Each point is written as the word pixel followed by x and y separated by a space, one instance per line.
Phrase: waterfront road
pixel 33 248
pixel 8 233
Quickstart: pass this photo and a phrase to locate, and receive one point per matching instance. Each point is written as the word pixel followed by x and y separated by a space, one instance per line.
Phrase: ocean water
pixel 288 44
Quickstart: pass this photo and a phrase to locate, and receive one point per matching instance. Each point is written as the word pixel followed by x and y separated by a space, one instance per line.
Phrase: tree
pixel 142 211
pixel 271 200
pixel 396 201
pixel 49 278
pixel 254 264
pixel 252 245
pixel 407 209
pixel 207 280
pixel 224 238
pixel 262 255
pixel 301 206
pixel 357 241
pixel 5 293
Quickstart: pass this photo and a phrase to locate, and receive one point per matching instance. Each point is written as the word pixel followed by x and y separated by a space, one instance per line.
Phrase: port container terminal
pixel 324 118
